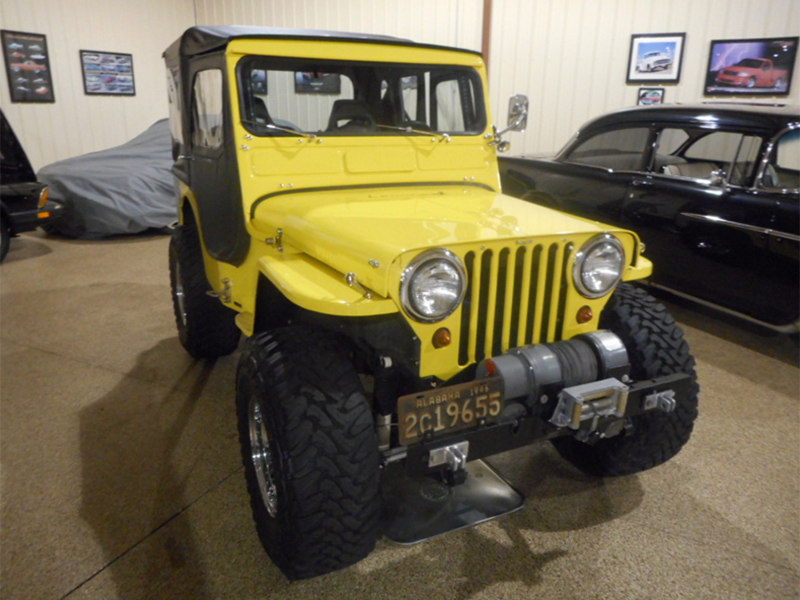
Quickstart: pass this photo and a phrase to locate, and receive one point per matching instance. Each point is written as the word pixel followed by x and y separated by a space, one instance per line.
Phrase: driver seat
pixel 354 112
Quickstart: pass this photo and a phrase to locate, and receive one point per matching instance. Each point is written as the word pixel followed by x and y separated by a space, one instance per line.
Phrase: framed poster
pixel 656 58
pixel 650 96
pixel 761 66
pixel 27 66
pixel 107 73
pixel 307 82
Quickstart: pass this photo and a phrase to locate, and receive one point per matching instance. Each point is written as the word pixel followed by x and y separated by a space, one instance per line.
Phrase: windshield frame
pixel 476 125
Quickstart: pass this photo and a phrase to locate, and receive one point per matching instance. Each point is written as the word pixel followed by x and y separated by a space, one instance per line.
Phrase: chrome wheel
pixel 180 299
pixel 261 455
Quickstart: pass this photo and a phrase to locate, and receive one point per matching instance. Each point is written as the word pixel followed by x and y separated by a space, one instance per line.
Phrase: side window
pixel 173 93
pixel 734 153
pixel 207 109
pixel 621 149
pixel 783 170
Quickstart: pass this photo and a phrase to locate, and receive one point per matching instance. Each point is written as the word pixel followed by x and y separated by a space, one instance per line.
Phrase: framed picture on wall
pixel 648 96
pixel 107 73
pixel 27 66
pixel 762 66
pixel 655 58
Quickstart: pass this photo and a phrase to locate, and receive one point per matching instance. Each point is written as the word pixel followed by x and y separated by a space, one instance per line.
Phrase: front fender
pixel 314 286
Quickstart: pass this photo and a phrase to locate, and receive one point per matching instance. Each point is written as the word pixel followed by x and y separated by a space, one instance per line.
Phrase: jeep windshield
pixel 285 97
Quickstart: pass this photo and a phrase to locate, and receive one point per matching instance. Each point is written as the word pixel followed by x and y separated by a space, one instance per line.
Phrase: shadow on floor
pixel 139 450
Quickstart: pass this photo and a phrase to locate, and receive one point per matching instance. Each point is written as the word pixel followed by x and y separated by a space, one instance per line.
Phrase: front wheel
pixel 655 347
pixel 751 83
pixel 206 328
pixel 309 450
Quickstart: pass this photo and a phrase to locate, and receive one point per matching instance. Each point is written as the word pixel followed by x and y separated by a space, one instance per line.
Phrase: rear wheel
pixel 309 450
pixel 655 347
pixel 206 328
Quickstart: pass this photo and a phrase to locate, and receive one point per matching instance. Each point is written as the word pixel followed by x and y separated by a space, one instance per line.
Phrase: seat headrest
pixel 355 112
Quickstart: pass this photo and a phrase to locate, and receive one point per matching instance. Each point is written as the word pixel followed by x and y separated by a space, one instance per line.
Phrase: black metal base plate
pixel 421 508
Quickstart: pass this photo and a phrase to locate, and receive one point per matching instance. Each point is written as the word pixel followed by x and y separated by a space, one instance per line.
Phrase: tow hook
pixel 454 457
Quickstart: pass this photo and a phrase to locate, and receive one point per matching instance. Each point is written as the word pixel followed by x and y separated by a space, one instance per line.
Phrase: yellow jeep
pixel 340 206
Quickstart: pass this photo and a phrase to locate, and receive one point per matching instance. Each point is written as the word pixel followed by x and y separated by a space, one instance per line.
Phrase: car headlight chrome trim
pixel 433 285
pixel 598 266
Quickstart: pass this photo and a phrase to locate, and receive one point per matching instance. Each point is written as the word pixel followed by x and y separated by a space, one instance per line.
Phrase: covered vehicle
pixel 24 201
pixel 122 190
pixel 711 189
pixel 404 318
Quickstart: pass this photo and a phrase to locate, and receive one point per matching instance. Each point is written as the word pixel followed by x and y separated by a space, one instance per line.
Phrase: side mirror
pixel 517 113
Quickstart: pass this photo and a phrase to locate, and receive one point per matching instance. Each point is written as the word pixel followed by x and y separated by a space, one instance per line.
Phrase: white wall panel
pixel 570 56
pixel 77 123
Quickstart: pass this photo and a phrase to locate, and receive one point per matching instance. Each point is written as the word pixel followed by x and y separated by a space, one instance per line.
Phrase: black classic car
pixel 711 189
pixel 24 204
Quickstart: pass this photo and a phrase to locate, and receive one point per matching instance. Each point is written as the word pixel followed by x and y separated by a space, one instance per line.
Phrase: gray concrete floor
pixel 120 475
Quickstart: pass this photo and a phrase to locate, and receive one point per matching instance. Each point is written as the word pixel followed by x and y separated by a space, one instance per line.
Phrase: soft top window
pixel 284 97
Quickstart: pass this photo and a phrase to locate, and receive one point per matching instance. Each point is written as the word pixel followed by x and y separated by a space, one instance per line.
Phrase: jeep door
pixel 212 166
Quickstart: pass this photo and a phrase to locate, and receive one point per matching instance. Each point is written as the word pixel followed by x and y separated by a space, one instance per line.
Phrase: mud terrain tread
pixel 656 347
pixel 210 330
pixel 328 463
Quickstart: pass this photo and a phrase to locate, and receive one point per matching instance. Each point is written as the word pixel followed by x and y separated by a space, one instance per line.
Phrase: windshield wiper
pixel 309 136
pixel 443 137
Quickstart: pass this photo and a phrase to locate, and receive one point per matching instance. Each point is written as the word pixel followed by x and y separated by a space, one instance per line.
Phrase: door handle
pixel 640 183
pixel 185 157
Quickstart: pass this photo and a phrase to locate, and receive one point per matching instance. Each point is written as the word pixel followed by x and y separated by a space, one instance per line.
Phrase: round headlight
pixel 598 266
pixel 433 286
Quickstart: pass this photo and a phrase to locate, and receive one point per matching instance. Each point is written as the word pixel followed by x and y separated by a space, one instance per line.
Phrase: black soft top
pixel 199 40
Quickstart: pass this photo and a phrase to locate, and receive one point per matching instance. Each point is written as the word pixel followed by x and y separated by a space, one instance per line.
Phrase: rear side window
pixel 783 170
pixel 207 109
pixel 619 150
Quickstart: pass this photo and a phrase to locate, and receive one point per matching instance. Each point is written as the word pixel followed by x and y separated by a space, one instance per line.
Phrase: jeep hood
pixel 366 231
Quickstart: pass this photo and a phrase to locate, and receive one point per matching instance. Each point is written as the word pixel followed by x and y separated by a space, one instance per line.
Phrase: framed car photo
pixel 27 66
pixel 655 58
pixel 107 73
pixel 648 96
pixel 753 67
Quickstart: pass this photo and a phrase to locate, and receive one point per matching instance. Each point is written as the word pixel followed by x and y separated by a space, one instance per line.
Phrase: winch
pixel 579 387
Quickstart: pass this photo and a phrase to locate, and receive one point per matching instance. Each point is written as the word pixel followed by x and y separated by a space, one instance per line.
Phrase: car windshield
pixel 749 62
pixel 284 97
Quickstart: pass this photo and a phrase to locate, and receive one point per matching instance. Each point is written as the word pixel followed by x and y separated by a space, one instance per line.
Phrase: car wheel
pixel 656 347
pixel 206 328
pixel 779 83
pixel 309 450
pixel 751 83
pixel 5 240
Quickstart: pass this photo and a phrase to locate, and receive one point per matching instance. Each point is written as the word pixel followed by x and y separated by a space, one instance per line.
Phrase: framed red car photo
pixel 751 67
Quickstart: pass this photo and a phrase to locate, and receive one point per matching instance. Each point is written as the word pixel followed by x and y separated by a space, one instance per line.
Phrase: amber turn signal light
pixel 441 337
pixel 585 314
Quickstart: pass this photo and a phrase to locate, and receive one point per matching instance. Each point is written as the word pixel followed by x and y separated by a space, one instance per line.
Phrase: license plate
pixel 449 409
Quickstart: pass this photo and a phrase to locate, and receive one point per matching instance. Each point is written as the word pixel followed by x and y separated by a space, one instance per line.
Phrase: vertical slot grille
pixel 515 296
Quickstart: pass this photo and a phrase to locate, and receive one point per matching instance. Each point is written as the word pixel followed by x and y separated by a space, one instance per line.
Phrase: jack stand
pixel 421 508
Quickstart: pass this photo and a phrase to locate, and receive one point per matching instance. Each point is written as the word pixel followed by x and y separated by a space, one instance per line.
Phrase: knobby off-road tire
pixel 656 347
pixel 309 450
pixel 206 328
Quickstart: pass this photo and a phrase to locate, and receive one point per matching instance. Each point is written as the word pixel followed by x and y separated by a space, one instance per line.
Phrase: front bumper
pixel 642 397
pixel 29 220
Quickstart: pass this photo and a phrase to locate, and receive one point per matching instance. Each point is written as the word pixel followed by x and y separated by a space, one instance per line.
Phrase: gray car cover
pixel 127 189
